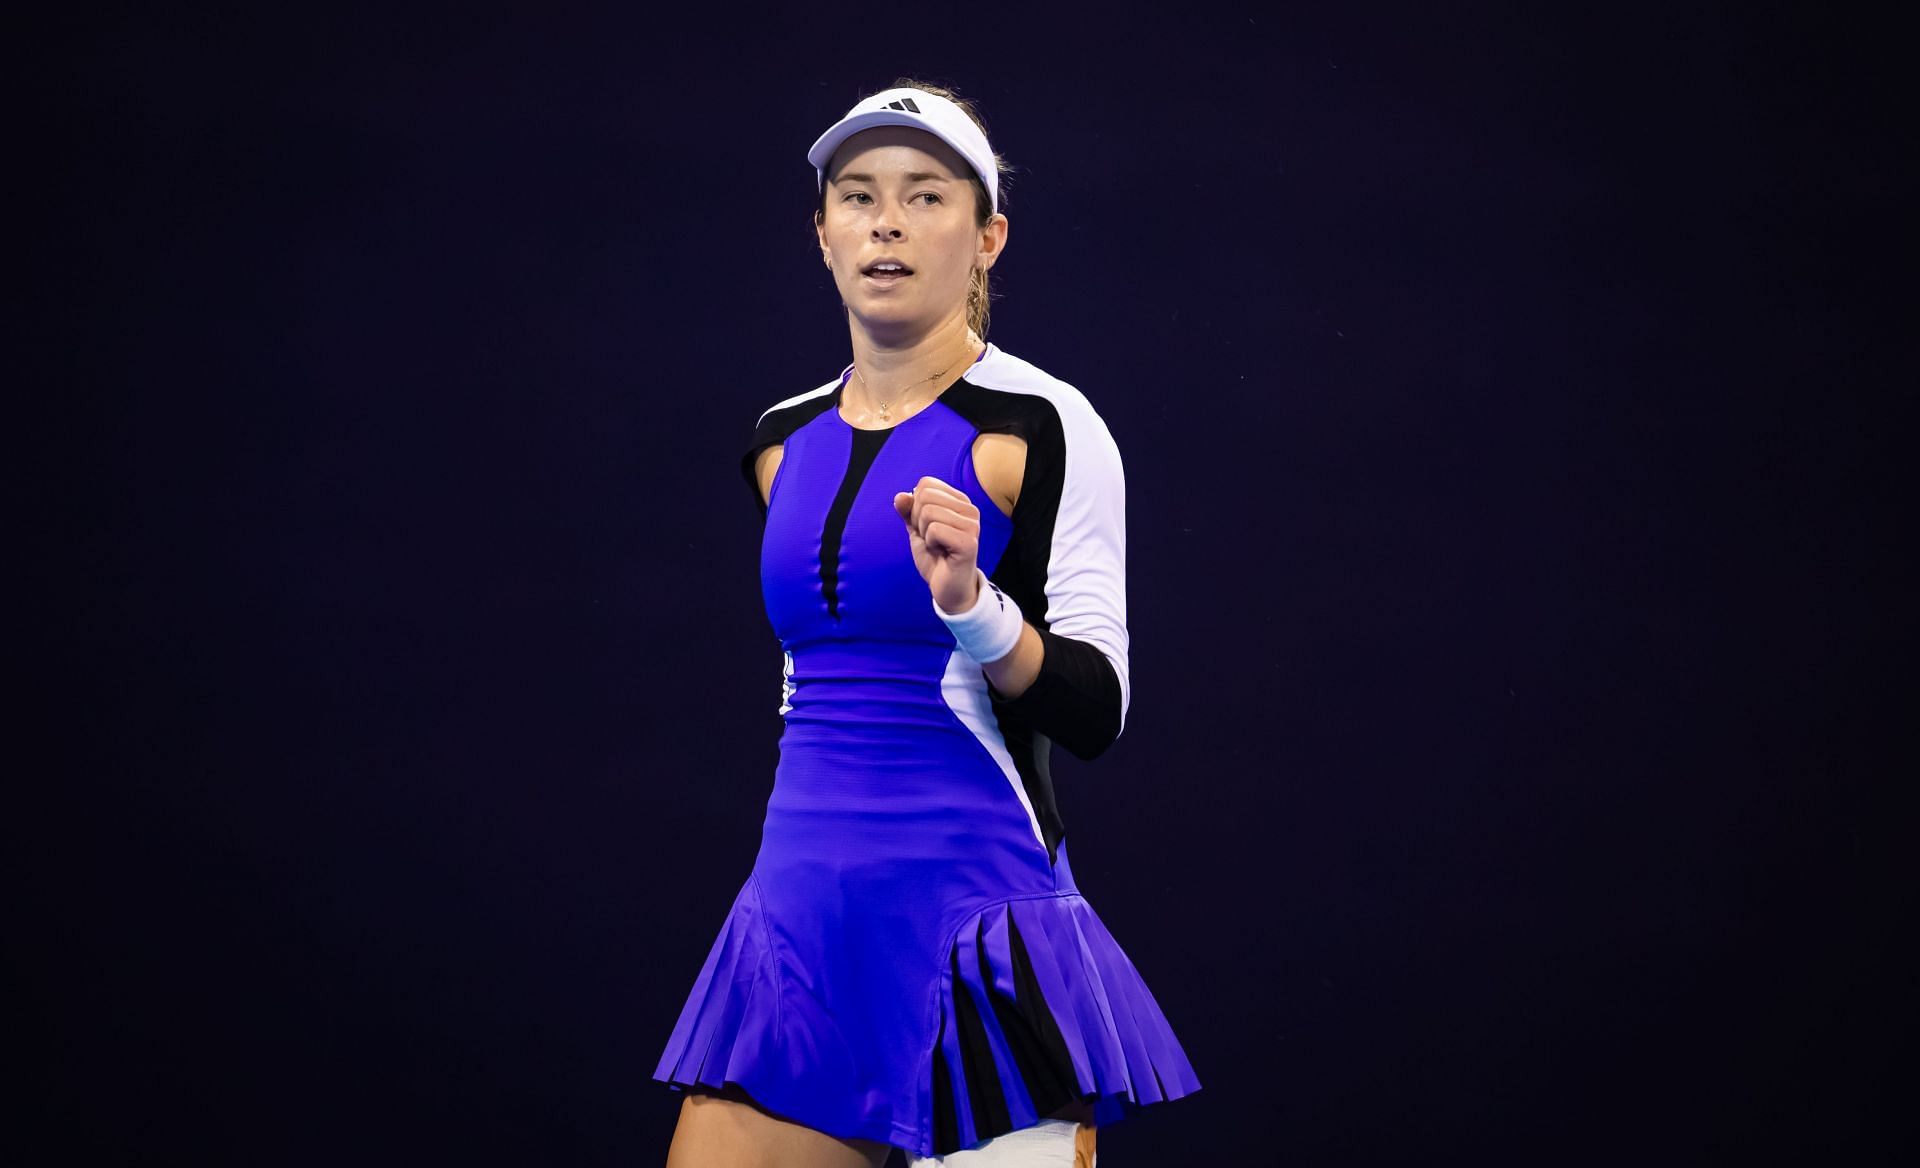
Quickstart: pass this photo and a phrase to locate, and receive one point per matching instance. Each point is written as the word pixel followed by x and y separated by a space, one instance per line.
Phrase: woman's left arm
pixel 1068 676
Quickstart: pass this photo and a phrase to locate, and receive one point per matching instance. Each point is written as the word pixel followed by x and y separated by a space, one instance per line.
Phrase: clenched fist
pixel 943 527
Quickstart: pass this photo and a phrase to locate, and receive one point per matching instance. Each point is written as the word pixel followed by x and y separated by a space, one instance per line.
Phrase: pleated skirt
pixel 837 1020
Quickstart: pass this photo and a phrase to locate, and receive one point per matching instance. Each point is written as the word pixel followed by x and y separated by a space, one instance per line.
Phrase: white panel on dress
pixel 964 688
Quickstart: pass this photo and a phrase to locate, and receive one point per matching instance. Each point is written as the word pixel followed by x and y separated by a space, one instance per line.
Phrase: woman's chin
pixel 886 312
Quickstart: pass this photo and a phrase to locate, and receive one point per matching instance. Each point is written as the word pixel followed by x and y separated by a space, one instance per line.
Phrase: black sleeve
pixel 1075 700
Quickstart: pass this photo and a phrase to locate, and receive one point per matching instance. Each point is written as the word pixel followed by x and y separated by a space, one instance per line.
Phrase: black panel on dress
pixel 866 447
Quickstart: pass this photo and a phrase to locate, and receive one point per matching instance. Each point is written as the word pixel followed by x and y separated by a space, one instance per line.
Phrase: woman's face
pixel 901 194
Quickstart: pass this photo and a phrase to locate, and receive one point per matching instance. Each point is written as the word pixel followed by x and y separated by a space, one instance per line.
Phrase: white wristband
pixel 991 628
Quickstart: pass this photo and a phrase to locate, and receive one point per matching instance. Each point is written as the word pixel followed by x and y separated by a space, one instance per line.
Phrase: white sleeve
pixel 1083 692
pixel 1087 573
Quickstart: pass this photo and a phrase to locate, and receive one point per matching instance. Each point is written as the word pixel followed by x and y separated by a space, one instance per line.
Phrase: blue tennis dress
pixel 910 960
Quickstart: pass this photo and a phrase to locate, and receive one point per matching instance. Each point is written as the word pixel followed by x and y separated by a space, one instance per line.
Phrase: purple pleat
pixel 693 1030
pixel 1113 975
pixel 1115 1079
pixel 728 1018
pixel 1000 950
pixel 1170 1074
pixel 735 1051
pixel 1152 1051
pixel 956 1075
pixel 1076 981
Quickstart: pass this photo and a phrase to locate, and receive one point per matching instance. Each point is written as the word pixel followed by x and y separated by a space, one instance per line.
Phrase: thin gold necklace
pixel 886 416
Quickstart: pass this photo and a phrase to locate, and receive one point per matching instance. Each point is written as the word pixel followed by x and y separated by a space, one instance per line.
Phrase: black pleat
pixel 946 1123
pixel 984 1090
pixel 1034 1036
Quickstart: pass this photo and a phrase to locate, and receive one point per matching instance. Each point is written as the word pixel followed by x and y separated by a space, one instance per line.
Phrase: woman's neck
pixel 895 366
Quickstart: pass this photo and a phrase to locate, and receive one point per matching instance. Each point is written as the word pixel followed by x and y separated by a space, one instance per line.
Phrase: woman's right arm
pixel 765 466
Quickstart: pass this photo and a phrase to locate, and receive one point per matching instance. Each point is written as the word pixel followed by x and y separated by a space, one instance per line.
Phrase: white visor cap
pixel 923 111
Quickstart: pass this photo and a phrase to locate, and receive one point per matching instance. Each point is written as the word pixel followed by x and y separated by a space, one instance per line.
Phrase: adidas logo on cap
pixel 905 104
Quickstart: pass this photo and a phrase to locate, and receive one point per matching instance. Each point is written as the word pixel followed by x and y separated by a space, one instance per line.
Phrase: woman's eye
pixel 928 195
pixel 855 195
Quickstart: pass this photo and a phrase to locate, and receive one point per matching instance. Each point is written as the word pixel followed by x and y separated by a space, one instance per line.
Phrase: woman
pixel 910 963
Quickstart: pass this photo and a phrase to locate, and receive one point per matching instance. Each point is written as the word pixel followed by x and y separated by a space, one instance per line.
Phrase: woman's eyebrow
pixel 913 177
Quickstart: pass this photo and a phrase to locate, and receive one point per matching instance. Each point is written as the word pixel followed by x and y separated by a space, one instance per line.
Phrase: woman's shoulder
pixel 811 401
pixel 1015 395
pixel 1003 371
pixel 783 417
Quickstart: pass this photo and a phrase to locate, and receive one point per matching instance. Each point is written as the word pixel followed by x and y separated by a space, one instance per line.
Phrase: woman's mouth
pixel 886 273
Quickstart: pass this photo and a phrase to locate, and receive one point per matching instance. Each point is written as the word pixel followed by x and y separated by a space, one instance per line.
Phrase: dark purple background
pixel 1498 414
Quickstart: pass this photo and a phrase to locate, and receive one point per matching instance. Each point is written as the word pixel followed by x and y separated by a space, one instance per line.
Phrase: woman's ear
pixel 993 241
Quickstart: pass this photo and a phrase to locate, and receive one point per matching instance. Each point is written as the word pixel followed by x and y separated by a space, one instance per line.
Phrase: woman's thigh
pixel 728 1130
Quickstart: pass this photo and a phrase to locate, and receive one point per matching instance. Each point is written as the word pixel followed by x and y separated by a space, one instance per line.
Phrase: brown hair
pixel 978 296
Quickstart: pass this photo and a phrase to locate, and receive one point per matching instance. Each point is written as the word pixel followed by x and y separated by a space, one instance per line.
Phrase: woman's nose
pixel 886 231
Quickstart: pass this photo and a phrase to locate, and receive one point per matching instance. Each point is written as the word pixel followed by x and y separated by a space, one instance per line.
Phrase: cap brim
pixel 822 150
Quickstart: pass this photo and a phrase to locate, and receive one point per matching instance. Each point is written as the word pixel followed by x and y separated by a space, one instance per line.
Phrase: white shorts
pixel 1051 1143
